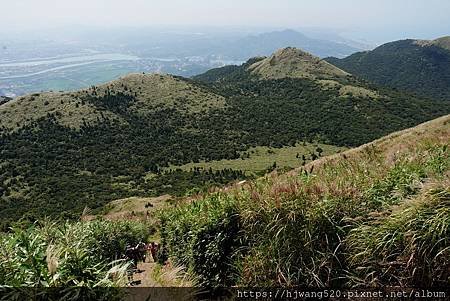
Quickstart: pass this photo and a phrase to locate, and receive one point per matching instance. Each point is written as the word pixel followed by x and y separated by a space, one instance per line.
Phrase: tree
pixel 319 150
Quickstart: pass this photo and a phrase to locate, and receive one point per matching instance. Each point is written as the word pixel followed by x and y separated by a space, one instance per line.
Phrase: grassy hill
pixel 294 63
pixel 374 216
pixel 418 66
pixel 62 152
pixel 150 93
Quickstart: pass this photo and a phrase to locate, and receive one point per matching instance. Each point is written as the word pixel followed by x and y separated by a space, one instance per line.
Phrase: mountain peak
pixel 295 63
pixel 289 52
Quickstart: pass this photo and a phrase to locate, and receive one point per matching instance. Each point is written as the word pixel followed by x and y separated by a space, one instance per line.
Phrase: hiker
pixel 141 250
pixel 128 256
pixel 135 254
pixel 154 250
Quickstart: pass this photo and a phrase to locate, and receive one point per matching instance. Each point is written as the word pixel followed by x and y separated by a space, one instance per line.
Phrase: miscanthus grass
pixel 377 215
pixel 67 255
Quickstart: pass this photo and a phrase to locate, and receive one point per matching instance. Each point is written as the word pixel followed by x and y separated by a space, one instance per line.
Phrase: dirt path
pixel 145 276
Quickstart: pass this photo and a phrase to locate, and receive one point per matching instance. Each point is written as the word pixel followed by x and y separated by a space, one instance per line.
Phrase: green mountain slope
pixel 420 66
pixel 61 152
pixel 286 96
pixel 374 216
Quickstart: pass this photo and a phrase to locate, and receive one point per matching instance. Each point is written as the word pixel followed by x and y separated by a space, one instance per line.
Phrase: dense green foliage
pixel 84 254
pixel 211 226
pixel 361 220
pixel 403 65
pixel 178 182
pixel 49 169
pixel 284 111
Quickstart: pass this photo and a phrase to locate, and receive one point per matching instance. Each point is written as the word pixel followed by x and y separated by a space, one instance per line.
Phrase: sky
pixel 375 19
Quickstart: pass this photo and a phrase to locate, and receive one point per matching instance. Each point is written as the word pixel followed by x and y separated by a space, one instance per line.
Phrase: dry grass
pixel 443 42
pixel 347 90
pixel 26 109
pixel 295 227
pixel 133 208
pixel 295 63
pixel 151 91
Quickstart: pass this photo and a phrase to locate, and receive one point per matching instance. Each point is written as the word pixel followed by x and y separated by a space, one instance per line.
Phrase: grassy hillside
pixel 377 215
pixel 259 160
pixel 292 62
pixel 150 93
pixel 333 108
pixel 420 66
pixel 62 152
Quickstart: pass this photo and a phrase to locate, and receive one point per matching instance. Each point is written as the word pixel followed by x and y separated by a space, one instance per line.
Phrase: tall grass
pixel 211 226
pixel 331 223
pixel 83 254
pixel 410 246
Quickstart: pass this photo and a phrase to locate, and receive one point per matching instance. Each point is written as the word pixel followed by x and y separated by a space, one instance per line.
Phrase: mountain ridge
pixel 443 42
pixel 267 43
pixel 74 109
pixel 416 66
pixel 62 152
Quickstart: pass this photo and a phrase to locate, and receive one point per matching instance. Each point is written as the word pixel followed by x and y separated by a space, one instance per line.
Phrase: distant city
pixel 71 62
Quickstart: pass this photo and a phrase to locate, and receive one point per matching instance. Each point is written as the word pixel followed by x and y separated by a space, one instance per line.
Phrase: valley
pixel 65 151
pixel 283 171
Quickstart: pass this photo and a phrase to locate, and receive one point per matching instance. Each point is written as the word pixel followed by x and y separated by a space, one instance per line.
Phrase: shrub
pixel 203 236
pixel 82 254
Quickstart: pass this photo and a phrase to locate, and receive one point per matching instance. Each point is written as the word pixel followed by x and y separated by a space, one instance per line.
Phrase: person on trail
pixel 134 254
pixel 128 256
pixel 141 250
pixel 154 247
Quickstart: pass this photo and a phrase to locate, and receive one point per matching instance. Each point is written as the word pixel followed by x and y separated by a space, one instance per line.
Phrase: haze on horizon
pixel 376 21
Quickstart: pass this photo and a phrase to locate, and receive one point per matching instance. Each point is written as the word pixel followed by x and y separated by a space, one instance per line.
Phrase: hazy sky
pixel 418 18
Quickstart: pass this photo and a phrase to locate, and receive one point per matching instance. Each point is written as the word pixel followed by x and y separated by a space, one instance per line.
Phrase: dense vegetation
pixel 370 217
pixel 282 111
pixel 78 255
pixel 405 65
pixel 50 168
